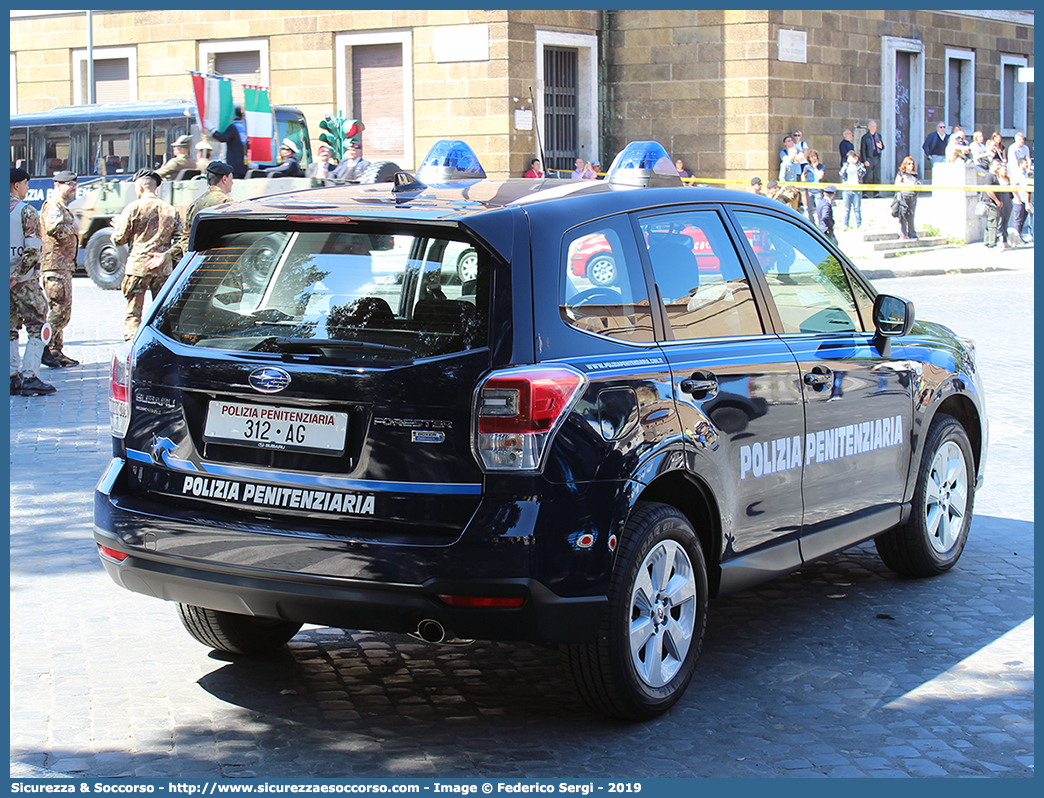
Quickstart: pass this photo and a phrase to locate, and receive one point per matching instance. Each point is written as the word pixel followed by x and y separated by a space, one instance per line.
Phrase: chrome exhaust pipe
pixel 431 631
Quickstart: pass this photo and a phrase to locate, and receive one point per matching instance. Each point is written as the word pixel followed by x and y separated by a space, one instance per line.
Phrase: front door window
pixel 807 282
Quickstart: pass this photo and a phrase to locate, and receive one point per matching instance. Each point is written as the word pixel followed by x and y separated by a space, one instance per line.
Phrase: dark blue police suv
pixel 409 407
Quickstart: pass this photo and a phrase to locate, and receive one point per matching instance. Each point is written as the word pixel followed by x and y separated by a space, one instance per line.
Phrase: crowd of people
pixel 1008 211
pixel 801 169
pixel 1007 202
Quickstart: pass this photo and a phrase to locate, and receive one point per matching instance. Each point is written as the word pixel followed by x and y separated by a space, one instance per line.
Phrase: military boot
pixel 49 359
pixel 64 360
pixel 16 384
pixel 34 386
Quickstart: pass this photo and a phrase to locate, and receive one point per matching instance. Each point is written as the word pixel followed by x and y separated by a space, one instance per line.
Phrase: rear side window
pixel 705 292
pixel 603 288
pixel 355 295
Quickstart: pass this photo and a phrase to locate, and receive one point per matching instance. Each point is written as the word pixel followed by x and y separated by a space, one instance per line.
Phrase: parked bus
pixel 118 139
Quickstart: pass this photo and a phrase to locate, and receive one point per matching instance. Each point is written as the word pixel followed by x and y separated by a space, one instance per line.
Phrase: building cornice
pixel 1017 17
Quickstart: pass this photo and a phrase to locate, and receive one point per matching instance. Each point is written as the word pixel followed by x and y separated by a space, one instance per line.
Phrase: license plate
pixel 290 429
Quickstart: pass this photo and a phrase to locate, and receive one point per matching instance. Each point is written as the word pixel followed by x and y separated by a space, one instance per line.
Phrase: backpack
pixel 899 207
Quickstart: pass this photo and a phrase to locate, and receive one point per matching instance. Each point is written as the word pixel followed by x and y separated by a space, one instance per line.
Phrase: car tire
pixel 467 265
pixel 601 269
pixel 653 627
pixel 379 172
pixel 104 261
pixel 236 634
pixel 931 542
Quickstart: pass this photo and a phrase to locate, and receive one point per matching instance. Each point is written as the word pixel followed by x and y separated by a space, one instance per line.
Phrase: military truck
pixel 94 211
pixel 106 143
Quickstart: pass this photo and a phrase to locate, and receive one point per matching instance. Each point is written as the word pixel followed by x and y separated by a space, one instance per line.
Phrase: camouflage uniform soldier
pixel 28 304
pixel 153 230
pixel 60 242
pixel 180 160
pixel 219 183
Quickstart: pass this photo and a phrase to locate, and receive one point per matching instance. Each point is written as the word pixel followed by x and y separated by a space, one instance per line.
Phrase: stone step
pixel 896 243
pixel 896 253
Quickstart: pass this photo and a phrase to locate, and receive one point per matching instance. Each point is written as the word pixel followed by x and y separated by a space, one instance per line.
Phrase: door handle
pixel 819 377
pixel 701 385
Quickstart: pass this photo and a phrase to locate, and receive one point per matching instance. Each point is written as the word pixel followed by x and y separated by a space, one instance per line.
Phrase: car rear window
pixel 358 295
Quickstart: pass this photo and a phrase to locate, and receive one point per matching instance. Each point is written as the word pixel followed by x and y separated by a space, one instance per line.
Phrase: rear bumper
pixel 350 604
pixel 235 564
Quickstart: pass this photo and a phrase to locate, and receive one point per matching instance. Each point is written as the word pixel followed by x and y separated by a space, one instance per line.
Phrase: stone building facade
pixel 717 88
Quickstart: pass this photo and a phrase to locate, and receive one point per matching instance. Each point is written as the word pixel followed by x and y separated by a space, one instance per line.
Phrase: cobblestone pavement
pixel 839 670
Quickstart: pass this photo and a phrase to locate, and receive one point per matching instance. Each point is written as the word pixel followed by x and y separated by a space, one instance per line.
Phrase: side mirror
pixel 892 316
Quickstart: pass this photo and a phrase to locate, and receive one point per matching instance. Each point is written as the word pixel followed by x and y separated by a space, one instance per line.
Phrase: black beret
pixel 219 168
pixel 64 177
pixel 18 174
pixel 148 173
pixel 755 181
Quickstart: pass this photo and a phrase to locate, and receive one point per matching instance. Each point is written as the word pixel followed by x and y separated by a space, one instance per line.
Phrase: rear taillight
pixel 516 413
pixel 120 390
pixel 111 554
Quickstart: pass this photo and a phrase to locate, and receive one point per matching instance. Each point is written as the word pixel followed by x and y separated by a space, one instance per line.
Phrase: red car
pixel 593 259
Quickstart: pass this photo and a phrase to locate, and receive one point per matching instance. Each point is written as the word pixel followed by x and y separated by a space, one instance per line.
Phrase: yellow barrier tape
pixel 886 187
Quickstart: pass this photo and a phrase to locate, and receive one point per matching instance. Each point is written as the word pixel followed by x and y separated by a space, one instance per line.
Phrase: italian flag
pixel 214 109
pixel 260 124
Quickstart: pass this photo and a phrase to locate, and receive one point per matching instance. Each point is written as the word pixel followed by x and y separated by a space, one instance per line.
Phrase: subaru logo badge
pixel 268 379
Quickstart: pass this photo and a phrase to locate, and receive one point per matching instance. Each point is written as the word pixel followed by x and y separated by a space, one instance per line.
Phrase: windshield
pixel 356 296
pixel 296 129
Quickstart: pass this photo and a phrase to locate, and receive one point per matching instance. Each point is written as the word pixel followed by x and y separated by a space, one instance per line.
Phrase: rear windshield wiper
pixel 313 346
